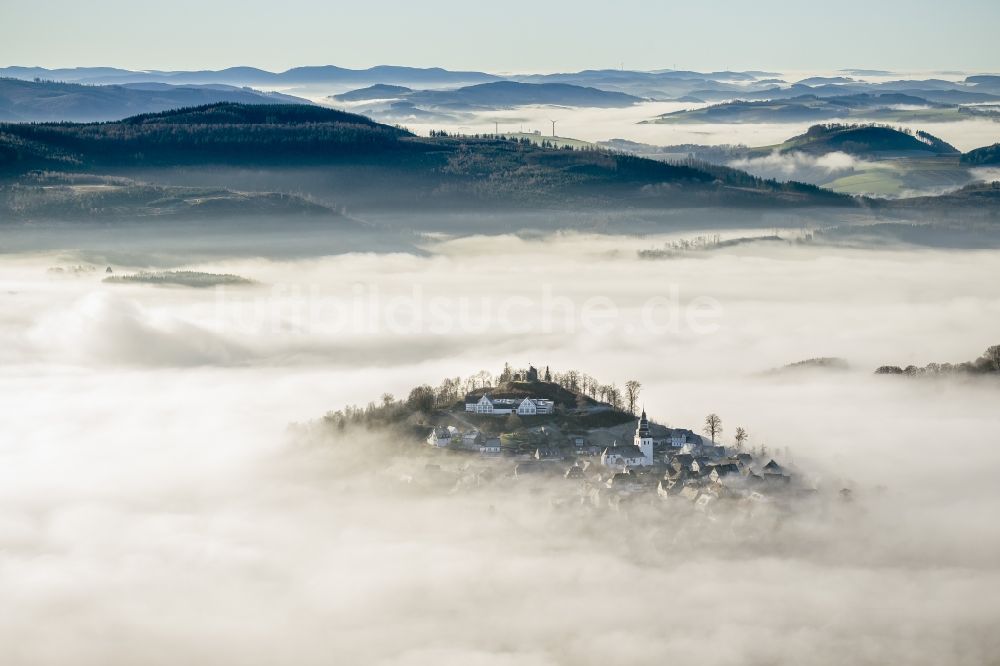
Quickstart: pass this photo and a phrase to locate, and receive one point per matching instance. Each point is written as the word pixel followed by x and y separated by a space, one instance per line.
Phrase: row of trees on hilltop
pixel 621 399
pixel 988 363
pixel 425 398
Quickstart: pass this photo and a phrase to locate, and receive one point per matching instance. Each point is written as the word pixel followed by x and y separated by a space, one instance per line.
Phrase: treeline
pixel 988 363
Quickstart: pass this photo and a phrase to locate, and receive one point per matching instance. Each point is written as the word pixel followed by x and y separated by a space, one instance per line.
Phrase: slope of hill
pixel 377 91
pixel 218 133
pixel 985 156
pixel 46 101
pixel 512 93
pixel 498 94
pixel 377 165
pixel 866 141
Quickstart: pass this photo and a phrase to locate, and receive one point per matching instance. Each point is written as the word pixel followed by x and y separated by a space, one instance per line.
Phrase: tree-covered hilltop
pixel 377 162
pixel 985 156
pixel 868 139
pixel 580 401
pixel 215 133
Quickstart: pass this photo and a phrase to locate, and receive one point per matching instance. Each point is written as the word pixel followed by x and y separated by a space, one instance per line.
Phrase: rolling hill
pixel 498 94
pixel 46 101
pixel 811 107
pixel 985 156
pixel 512 93
pixel 243 76
pixel 344 158
pixel 216 133
pixel 377 91
pixel 866 141
pixel 869 160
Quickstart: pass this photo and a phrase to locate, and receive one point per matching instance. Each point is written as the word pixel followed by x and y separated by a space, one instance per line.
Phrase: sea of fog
pixel 156 506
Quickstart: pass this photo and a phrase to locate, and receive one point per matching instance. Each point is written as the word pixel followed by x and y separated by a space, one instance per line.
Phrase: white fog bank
pixel 155 507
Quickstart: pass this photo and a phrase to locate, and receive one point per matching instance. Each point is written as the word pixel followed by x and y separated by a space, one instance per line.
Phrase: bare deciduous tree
pixel 740 438
pixel 614 397
pixel 632 388
pixel 713 426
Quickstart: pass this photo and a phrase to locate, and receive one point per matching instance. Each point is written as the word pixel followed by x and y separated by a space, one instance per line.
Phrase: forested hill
pixel 252 114
pixel 368 163
pixel 985 156
pixel 863 140
pixel 215 133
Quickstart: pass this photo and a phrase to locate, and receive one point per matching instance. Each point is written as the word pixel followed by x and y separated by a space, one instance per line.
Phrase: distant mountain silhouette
pixel 377 91
pixel 321 74
pixel 497 94
pixel 512 93
pixel 811 107
pixel 45 101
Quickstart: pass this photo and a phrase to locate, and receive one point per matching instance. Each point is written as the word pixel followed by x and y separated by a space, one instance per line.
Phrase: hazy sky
pixel 516 35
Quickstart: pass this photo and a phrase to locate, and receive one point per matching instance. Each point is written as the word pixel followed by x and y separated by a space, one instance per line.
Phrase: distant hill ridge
pixel 497 93
pixel 250 114
pixel 44 101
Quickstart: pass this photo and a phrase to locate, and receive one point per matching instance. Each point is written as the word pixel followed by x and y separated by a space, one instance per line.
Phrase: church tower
pixel 643 439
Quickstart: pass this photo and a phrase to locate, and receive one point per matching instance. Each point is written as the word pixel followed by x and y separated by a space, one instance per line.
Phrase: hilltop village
pixel 526 429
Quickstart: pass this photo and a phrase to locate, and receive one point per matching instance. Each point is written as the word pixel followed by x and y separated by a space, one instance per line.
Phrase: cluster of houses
pixel 468 440
pixel 486 404
pixel 681 466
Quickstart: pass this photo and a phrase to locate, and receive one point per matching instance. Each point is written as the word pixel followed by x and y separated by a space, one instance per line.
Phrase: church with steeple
pixel 643 440
pixel 639 455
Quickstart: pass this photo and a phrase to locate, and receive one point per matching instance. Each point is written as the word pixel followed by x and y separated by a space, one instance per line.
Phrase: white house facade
pixel 623 456
pixel 490 447
pixel 441 437
pixel 507 406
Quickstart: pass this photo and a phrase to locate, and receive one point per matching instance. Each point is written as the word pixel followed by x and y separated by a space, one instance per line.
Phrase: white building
pixel 507 406
pixel 490 447
pixel 643 440
pixel 441 437
pixel 640 454
pixel 622 456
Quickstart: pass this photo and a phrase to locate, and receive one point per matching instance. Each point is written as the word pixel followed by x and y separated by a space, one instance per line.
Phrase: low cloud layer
pixel 628 123
pixel 799 166
pixel 155 507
